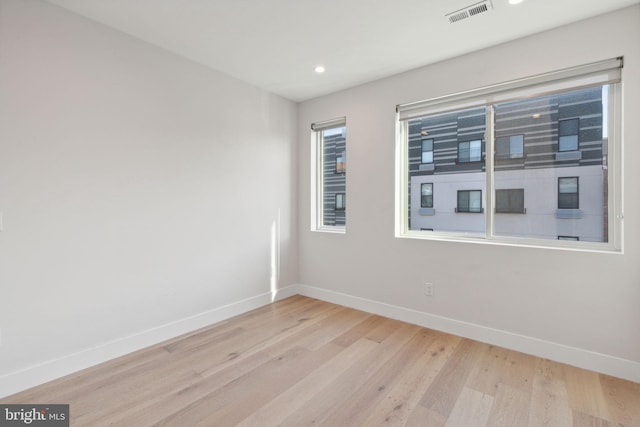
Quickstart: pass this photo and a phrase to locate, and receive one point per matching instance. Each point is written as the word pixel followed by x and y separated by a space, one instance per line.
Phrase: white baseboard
pixel 602 363
pixel 39 374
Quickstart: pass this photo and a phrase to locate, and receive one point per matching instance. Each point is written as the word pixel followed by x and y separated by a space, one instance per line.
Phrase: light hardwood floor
pixel 301 362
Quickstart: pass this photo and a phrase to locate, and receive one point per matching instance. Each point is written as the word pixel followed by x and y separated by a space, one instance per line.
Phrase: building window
pixel 568 195
pixel 568 131
pixel 329 140
pixel 427 151
pixel 470 151
pixel 469 201
pixel 538 116
pixel 510 201
pixel 510 147
pixel 341 162
pixel 426 195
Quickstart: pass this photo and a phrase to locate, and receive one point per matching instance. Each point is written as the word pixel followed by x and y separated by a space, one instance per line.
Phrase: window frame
pixel 598 74
pixel 343 169
pixel 523 210
pixel 317 176
pixel 422 205
pixel 459 160
pixel 577 192
pixel 510 155
pixel 343 201
pixel 469 210
pixel 560 136
pixel 426 151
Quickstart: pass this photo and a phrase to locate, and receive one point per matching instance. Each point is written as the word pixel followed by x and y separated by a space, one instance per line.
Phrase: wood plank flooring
pixel 302 362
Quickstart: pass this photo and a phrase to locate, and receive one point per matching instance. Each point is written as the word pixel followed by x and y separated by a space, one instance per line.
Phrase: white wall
pixel 142 194
pixel 579 307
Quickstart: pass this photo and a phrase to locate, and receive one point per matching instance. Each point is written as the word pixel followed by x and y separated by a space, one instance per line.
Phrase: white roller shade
pixel 594 74
pixel 328 124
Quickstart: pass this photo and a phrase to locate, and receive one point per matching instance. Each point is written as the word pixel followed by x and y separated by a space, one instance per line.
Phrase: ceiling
pixel 276 44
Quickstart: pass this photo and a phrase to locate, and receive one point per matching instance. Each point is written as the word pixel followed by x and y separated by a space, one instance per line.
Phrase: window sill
pixel 522 212
pixel 569 213
pixel 579 246
pixel 427 211
pixel 331 229
pixel 471 212
pixel 568 155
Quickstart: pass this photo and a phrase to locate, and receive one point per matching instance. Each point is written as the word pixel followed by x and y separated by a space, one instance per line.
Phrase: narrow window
pixel 341 166
pixel 568 134
pixel 329 166
pixel 427 151
pixel 469 201
pixel 426 195
pixel 568 196
pixel 510 201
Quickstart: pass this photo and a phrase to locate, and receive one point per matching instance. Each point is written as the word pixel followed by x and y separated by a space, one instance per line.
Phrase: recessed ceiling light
pixel 515 1
pixel 319 69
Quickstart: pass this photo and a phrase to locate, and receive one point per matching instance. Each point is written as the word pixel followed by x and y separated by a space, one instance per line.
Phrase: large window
pixel 329 174
pixel 554 137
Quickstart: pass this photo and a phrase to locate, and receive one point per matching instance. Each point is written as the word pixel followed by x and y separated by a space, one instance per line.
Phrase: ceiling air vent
pixel 469 11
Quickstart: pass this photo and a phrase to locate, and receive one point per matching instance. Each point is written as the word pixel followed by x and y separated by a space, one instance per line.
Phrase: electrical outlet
pixel 428 289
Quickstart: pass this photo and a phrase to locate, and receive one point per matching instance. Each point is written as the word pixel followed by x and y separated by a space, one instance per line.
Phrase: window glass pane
pixel 463 152
pixel 333 179
pixel 516 146
pixel 453 134
pixel 341 162
pixel 568 185
pixel 503 148
pixel 475 201
pixel 551 181
pixel 568 143
pixel 568 127
pixel 475 151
